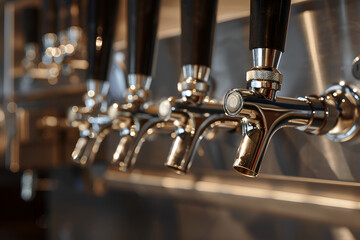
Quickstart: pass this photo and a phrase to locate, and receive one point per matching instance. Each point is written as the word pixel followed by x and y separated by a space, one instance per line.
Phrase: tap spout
pixel 87 147
pixel 184 146
pixel 130 145
pixel 83 152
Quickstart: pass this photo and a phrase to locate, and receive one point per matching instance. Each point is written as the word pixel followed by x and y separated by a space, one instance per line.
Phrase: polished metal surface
pixel 137 81
pixel 191 122
pixel 260 119
pixel 347 99
pixel 286 197
pixel 266 57
pixel 356 67
pixel 96 93
pixel 135 121
pixel 264 77
pixel 193 83
pixel 200 73
pixel 264 81
pixel 130 145
pixel 139 88
pixel 93 121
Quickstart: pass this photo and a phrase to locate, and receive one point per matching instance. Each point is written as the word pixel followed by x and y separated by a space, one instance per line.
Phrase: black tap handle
pixel 198 19
pixel 31 22
pixel 268 23
pixel 100 32
pixel 49 16
pixel 143 18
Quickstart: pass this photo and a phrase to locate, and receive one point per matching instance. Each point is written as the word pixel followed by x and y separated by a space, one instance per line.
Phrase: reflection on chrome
pixel 93 120
pixel 211 185
pixel 313 49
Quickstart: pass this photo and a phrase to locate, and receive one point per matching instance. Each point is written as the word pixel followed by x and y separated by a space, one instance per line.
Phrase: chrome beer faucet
pixel 95 118
pixel 194 112
pixel 137 117
pixel 335 112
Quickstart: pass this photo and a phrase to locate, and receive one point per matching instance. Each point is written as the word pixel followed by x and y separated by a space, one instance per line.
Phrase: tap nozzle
pixel 180 156
pixel 119 157
pixel 85 151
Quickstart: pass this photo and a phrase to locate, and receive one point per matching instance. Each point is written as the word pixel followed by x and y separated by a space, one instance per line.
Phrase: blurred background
pixel 309 187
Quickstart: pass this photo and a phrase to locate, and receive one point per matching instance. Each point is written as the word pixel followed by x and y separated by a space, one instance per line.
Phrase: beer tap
pixel 193 113
pixel 137 115
pixel 94 119
pixel 334 113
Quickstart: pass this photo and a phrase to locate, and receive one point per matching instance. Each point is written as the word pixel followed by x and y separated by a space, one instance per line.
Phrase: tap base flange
pixel 264 80
pixel 347 99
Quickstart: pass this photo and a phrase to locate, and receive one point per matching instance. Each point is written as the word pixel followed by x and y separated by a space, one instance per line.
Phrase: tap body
pixel 334 113
pixel 192 115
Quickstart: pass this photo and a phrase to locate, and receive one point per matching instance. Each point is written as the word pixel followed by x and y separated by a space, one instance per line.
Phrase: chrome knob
pixel 233 102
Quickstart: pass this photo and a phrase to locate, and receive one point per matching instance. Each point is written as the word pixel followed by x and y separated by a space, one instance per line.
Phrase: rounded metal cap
pixel 347 98
pixel 233 102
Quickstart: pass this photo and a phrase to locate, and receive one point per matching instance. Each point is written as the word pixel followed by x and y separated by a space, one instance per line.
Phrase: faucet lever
pixel 268 24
